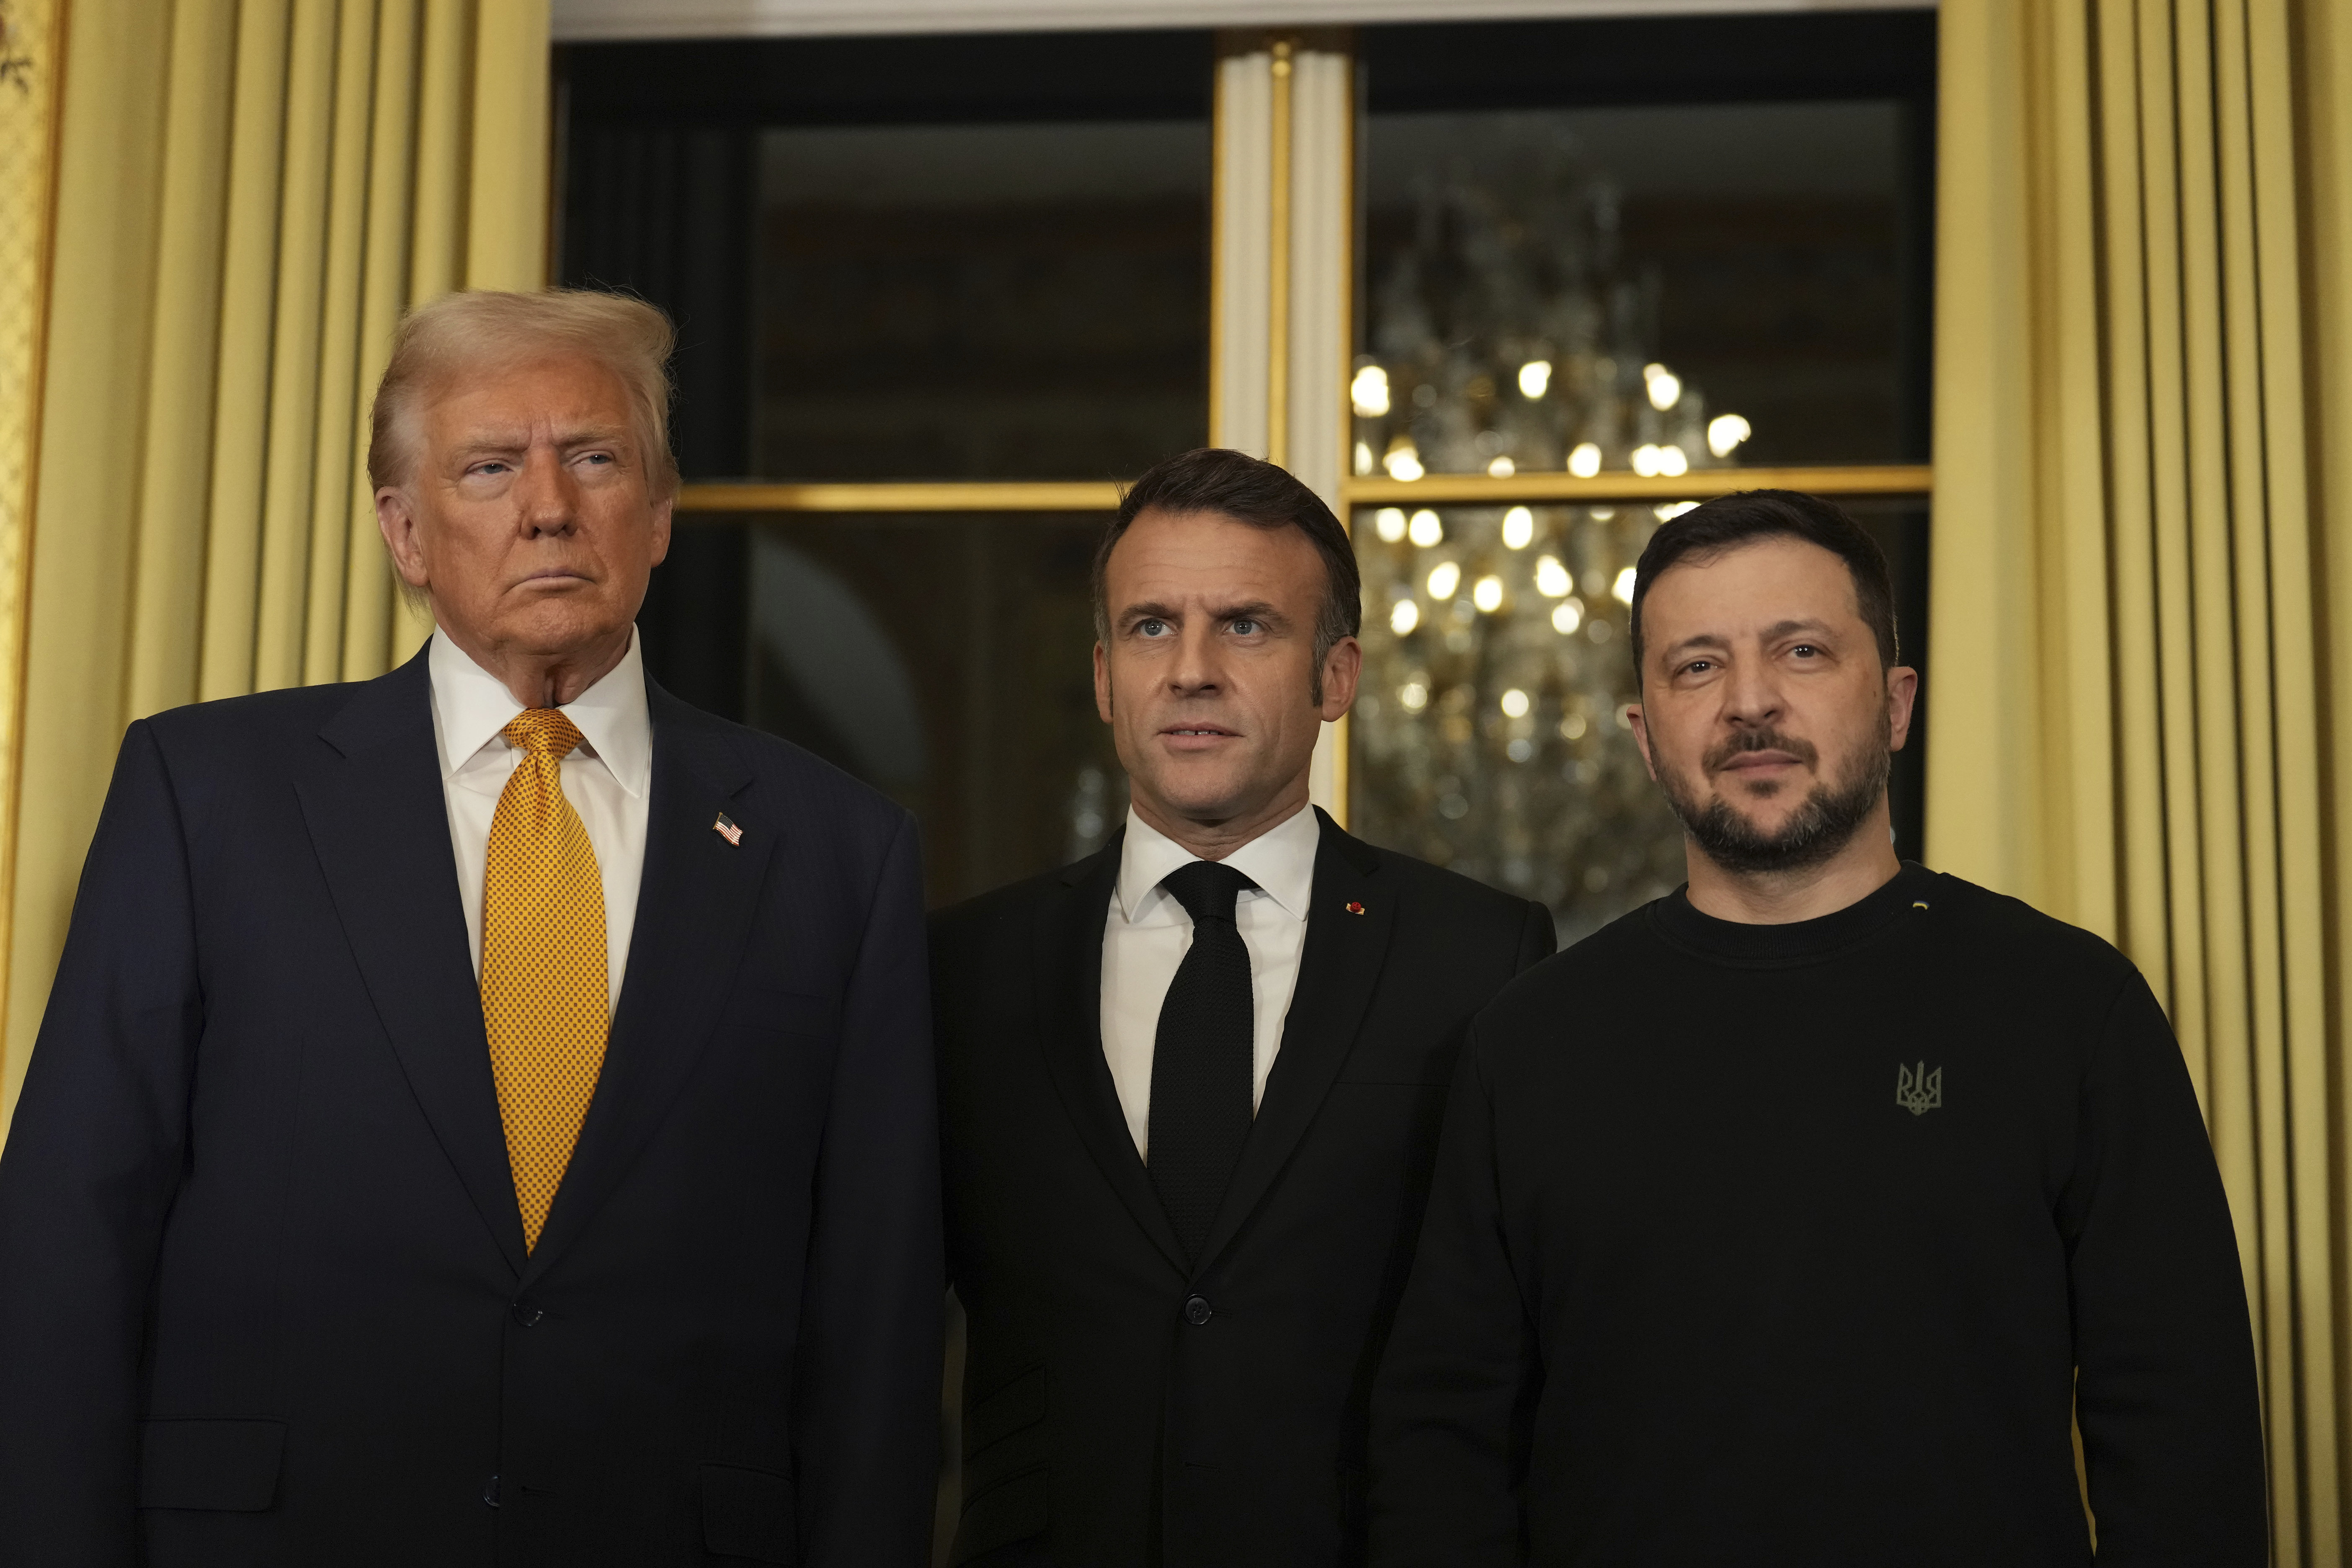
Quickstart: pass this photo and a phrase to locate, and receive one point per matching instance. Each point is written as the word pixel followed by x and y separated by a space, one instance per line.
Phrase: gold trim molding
pixel 1012 495
pixel 1485 490
pixel 1891 480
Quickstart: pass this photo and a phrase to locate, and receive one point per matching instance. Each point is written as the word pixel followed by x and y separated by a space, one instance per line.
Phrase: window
pixel 1690 254
pixel 966 263
pixel 937 296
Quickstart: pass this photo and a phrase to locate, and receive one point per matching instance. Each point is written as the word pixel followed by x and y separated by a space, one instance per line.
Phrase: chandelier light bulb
pixel 1726 431
pixel 1369 391
pixel 1388 523
pixel 1534 378
pixel 1518 528
pixel 1426 530
pixel 1585 460
pixel 1665 387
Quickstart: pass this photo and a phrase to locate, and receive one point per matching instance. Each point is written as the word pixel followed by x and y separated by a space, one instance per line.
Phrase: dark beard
pixel 1825 825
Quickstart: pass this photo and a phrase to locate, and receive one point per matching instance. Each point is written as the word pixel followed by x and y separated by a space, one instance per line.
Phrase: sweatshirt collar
pixel 1676 919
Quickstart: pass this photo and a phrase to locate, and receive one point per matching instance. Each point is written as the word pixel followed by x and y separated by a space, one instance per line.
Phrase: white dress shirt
pixel 1147 934
pixel 607 778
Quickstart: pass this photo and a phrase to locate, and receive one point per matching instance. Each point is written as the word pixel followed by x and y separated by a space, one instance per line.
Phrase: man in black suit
pixel 1190 1085
pixel 483 1115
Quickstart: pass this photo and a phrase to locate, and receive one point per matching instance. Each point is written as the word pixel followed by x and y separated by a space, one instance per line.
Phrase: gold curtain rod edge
pixel 1012 496
pixel 1859 479
pixel 1471 489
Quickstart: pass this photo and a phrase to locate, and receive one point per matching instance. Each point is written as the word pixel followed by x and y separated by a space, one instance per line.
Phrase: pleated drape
pixel 249 193
pixel 2140 597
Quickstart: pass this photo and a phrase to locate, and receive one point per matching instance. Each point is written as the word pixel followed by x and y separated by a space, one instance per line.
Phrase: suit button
pixel 527 1315
pixel 1196 1310
pixel 491 1491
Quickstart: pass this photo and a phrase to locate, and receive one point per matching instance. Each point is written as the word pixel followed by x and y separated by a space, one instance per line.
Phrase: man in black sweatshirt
pixel 1787 1219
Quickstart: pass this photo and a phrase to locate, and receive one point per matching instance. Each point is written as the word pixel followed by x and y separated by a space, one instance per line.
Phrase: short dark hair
pixel 1728 520
pixel 1247 490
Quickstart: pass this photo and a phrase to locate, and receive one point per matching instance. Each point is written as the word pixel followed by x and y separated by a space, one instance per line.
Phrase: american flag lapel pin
pixel 725 827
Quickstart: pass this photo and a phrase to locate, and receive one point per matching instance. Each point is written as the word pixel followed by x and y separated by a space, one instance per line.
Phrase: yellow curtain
pixel 249 194
pixel 2139 679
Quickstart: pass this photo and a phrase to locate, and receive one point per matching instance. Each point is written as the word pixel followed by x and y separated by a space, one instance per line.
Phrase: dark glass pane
pixel 942 659
pixel 1560 275
pixel 894 258
pixel 1490 733
pixel 981 301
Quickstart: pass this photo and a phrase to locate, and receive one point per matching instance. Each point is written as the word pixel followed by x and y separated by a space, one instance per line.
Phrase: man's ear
pixel 665 515
pixel 1901 702
pixel 396 520
pixel 1343 666
pixel 1102 682
pixel 1634 716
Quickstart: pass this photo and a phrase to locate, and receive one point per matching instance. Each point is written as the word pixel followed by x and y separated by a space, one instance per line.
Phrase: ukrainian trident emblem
pixel 1916 1090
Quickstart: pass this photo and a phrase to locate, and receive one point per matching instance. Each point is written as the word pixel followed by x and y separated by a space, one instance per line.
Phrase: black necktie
pixel 1201 1058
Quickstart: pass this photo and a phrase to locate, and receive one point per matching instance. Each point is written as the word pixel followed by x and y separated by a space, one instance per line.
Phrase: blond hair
pixel 483 329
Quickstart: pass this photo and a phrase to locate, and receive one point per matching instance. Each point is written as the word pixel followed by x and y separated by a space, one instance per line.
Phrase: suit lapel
pixel 380 829
pixel 1336 974
pixel 696 904
pixel 1069 1017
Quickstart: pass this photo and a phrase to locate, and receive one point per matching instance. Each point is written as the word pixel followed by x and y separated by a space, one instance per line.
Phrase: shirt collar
pixel 1281 861
pixel 471 706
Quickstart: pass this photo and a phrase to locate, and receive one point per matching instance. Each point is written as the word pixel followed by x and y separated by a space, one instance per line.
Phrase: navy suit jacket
pixel 1126 1406
pixel 263 1291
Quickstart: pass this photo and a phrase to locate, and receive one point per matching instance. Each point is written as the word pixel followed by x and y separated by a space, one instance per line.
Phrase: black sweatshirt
pixel 1785 1245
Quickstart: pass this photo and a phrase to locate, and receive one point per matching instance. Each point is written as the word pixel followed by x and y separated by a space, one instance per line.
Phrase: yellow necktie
pixel 544 998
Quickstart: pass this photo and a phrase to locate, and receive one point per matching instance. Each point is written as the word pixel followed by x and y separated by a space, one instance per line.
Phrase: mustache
pixel 1764 739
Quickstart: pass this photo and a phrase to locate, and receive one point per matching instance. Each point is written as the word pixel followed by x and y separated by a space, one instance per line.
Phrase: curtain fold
pixel 249 193
pixel 2140 409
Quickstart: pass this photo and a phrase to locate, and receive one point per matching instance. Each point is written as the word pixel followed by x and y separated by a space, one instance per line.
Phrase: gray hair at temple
pixel 436 345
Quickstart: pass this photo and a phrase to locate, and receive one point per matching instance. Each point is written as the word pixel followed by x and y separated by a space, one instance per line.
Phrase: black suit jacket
pixel 263 1291
pixel 1120 1407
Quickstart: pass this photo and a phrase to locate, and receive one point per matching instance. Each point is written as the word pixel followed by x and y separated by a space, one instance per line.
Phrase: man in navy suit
pixel 484 1115
pixel 1191 1086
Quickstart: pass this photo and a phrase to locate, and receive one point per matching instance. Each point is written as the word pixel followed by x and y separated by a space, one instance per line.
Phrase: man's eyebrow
pixel 1253 610
pixel 1703 639
pixel 1791 627
pixel 503 444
